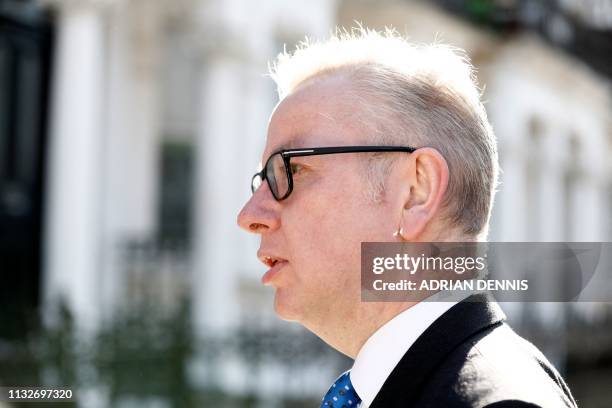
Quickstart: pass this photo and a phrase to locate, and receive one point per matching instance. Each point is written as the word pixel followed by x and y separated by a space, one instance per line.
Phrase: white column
pixel 260 98
pixel 113 164
pixel 552 205
pixel 590 191
pixel 511 200
pixel 132 139
pixel 513 195
pixel 215 287
pixel 72 216
pixel 588 209
pixel 140 147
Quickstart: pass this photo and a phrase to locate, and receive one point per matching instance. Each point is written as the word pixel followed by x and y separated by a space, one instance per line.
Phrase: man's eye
pixel 296 168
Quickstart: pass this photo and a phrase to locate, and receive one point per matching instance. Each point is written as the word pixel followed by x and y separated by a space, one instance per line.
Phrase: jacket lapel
pixel 463 320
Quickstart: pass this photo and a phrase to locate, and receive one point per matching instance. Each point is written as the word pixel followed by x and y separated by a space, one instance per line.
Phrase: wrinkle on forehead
pixel 327 116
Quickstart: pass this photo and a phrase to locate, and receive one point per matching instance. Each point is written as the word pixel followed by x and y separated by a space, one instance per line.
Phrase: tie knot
pixel 341 394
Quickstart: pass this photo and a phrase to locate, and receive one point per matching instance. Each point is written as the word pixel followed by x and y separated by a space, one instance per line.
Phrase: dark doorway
pixel 25 56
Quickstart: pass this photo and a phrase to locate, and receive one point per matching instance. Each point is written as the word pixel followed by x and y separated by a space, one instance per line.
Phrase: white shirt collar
pixel 385 348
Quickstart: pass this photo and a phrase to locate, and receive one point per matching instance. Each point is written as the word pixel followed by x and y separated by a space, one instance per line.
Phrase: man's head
pixel 368 89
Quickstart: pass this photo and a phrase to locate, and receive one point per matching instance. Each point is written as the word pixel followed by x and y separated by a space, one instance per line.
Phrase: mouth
pixel 274 263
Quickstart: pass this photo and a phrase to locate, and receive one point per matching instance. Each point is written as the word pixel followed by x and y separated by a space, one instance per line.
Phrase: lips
pixel 270 261
pixel 274 262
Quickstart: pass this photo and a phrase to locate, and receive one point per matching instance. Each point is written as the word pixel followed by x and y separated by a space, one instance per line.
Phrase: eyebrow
pixel 295 143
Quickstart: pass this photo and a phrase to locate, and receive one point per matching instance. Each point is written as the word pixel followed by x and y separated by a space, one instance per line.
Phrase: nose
pixel 260 213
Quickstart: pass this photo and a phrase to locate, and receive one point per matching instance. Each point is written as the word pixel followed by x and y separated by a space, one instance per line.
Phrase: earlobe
pixel 413 222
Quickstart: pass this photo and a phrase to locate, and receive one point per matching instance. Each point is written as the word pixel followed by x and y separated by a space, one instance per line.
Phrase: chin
pixel 286 307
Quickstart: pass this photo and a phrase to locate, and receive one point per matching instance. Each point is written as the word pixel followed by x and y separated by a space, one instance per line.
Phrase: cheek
pixel 327 242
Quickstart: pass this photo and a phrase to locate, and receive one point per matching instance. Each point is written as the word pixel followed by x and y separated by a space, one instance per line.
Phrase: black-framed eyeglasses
pixel 279 175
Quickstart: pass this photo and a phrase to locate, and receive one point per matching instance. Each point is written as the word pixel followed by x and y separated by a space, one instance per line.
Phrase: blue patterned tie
pixel 341 394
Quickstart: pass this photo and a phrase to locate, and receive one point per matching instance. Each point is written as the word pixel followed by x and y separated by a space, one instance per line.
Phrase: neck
pixel 349 332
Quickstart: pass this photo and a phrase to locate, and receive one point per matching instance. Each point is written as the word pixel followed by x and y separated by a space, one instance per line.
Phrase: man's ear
pixel 427 178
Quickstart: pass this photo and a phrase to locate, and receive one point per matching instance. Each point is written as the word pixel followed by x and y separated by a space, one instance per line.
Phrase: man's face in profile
pixel 319 227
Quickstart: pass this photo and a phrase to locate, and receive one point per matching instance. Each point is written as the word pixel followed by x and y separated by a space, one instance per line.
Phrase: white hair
pixel 418 95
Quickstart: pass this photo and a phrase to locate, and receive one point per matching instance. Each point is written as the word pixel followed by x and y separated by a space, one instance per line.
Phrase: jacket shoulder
pixel 496 368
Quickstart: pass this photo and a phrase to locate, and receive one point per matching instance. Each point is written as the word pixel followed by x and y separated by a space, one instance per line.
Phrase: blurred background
pixel 129 130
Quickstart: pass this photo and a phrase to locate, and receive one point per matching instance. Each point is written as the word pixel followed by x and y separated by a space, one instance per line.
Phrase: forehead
pixel 320 113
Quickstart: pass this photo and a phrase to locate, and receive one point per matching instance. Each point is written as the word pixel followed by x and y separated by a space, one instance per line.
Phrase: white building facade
pixel 132 76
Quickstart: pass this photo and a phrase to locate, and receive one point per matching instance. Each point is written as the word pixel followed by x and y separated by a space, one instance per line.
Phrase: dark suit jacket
pixel 469 357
